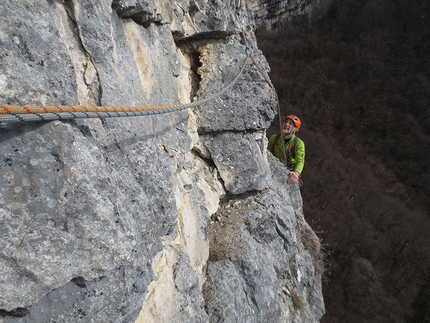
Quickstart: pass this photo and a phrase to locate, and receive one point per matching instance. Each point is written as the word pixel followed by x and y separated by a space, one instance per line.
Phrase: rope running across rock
pixel 17 113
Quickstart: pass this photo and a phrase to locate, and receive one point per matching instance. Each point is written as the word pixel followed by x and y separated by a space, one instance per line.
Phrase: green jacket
pixel 296 158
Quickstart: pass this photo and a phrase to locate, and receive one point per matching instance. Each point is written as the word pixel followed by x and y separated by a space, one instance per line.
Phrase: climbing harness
pixel 16 113
pixel 292 153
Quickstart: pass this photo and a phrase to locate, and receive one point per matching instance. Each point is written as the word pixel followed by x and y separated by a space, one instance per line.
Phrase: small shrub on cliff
pixel 311 243
pixel 298 301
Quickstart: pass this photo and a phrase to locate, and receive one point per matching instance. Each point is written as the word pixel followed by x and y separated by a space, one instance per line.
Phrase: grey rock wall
pixel 264 263
pixel 269 14
pixel 114 220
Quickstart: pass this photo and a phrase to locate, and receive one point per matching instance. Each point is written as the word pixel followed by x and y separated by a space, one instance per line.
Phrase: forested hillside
pixel 360 81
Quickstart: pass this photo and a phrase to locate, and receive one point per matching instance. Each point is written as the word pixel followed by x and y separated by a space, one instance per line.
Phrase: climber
pixel 294 148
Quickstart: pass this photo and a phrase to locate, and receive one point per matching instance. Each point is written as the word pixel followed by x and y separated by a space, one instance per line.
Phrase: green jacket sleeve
pixel 300 156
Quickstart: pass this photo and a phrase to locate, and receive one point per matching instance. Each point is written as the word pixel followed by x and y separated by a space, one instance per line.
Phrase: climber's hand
pixel 294 177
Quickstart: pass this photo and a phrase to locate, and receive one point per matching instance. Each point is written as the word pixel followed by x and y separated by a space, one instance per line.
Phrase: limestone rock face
pixel 273 13
pixel 264 262
pixel 122 219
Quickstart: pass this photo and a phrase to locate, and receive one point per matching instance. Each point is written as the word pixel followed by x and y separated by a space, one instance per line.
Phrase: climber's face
pixel 289 128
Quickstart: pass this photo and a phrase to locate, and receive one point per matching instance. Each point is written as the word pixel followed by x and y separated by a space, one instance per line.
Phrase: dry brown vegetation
pixel 360 81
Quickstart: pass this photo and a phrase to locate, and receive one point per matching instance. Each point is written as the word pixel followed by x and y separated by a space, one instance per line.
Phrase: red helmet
pixel 295 120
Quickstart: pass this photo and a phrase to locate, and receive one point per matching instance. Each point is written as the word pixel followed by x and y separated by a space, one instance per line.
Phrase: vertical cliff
pixel 178 217
pixel 269 14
